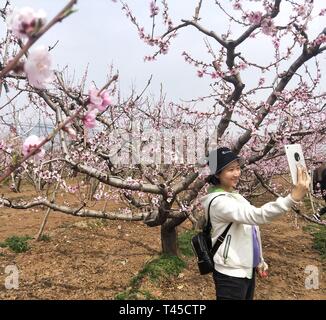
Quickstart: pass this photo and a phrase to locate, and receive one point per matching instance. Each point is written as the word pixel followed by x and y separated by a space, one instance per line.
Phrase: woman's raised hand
pixel 302 186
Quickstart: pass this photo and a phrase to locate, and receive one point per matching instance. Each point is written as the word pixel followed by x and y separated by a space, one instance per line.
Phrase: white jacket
pixel 234 257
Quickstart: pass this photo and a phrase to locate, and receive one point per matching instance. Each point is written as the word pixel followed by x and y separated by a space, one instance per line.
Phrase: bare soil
pixel 95 259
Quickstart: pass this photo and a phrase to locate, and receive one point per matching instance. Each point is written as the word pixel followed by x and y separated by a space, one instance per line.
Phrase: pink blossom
pixel 37 67
pixel 99 101
pixel 214 75
pixel 261 81
pixel 267 26
pixel 106 100
pixel 276 43
pixel 302 39
pixel 242 66
pixel 234 71
pixel 25 22
pixel 30 144
pixel 322 12
pixel 200 73
pixel 321 39
pixel 94 98
pixel 237 5
pixel 301 10
pixel 89 118
pixel 154 9
pixel 255 17
pixel 149 58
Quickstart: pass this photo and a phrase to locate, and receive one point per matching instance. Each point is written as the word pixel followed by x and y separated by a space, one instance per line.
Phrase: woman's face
pixel 230 175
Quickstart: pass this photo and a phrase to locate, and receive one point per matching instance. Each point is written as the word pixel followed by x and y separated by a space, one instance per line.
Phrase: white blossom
pixel 37 67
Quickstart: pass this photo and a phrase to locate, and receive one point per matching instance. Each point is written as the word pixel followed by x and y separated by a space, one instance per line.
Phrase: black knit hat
pixel 219 158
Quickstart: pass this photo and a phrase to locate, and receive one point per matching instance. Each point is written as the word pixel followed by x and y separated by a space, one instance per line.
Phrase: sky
pixel 99 34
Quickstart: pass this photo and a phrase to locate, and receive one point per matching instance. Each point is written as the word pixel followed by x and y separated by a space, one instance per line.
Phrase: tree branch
pixel 58 18
pixel 211 34
pixel 79 212
pixel 249 31
pixel 296 210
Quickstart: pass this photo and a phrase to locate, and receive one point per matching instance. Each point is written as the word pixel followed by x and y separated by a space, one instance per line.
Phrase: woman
pixel 240 254
pixel 319 185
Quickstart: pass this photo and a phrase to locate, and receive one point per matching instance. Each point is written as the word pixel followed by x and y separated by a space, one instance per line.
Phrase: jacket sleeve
pixel 228 209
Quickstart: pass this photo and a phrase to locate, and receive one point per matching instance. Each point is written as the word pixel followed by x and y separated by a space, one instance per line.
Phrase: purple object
pixel 256 259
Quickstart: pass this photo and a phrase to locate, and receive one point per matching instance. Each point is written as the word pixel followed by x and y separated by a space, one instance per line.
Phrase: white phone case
pixel 294 156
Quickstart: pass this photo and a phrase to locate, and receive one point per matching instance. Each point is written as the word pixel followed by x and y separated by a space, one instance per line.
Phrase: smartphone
pixel 294 156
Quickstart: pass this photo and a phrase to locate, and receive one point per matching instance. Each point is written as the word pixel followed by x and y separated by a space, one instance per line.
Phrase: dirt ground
pixel 94 259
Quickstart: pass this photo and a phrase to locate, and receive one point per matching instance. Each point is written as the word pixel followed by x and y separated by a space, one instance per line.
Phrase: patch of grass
pixel 45 238
pixel 320 242
pixel 97 223
pixel 66 225
pixel 135 295
pixel 306 201
pixel 6 181
pixel 122 296
pixel 148 295
pixel 184 242
pixel 319 234
pixel 17 244
pixel 164 266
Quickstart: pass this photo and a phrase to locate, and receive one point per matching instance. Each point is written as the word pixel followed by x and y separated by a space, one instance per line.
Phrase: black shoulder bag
pixel 202 245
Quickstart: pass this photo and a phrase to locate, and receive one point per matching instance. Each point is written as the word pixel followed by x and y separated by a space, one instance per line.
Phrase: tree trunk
pixel 40 232
pixel 169 240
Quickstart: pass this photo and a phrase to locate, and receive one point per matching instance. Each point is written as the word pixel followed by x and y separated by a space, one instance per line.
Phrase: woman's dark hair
pixel 213 179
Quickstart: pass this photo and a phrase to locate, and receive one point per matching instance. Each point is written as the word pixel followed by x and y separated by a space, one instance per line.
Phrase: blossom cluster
pixel 98 102
pixel 38 67
pixel 30 144
pixel 256 18
pixel 49 176
pixel 25 23
pixel 152 41
pixel 163 45
pixel 320 40
pixel 166 19
pixel 154 9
